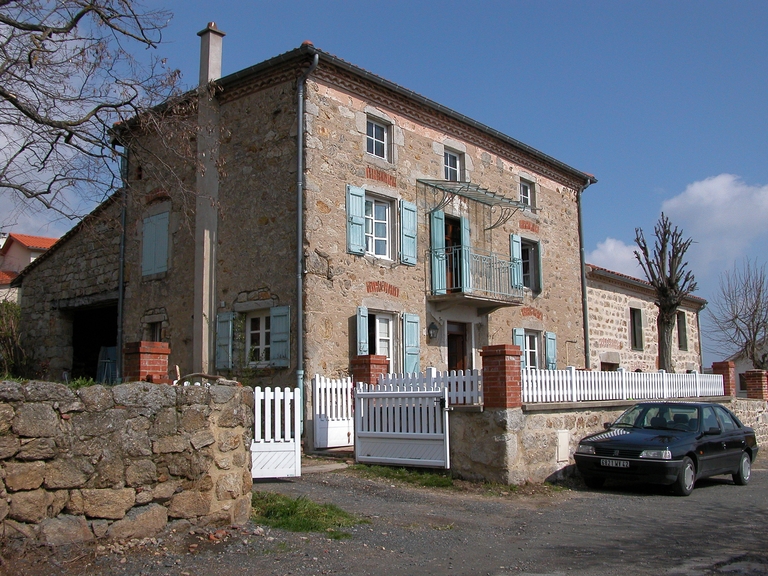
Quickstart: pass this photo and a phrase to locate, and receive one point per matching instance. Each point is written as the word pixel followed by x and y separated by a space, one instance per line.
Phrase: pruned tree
pixel 739 313
pixel 71 70
pixel 665 270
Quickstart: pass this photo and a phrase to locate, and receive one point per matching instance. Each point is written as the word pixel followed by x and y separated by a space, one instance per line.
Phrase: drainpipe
pixel 300 224
pixel 584 303
pixel 120 287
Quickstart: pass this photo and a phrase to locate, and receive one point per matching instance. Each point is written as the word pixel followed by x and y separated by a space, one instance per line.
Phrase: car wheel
pixel 742 475
pixel 686 478
pixel 594 482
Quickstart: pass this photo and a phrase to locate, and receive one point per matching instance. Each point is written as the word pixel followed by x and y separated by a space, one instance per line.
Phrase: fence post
pixel 572 382
pixel 698 385
pixel 664 388
pixel 431 374
pixel 502 377
pixel 623 382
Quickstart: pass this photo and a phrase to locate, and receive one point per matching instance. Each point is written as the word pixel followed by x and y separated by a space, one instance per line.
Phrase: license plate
pixel 614 463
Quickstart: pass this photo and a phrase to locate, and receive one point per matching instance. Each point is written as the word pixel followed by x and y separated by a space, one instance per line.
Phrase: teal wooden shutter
pixel 550 350
pixel 154 249
pixel 518 339
pixel 437 235
pixel 362 331
pixel 148 247
pixel 355 220
pixel 280 336
pixel 411 340
pixel 161 242
pixel 516 256
pixel 466 262
pixel 408 225
pixel 224 340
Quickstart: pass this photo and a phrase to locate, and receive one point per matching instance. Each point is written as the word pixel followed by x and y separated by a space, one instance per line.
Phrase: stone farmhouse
pixel 16 251
pixel 353 218
pixel 622 325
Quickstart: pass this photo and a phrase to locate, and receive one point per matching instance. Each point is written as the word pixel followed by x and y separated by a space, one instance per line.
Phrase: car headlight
pixel 657 454
pixel 585 449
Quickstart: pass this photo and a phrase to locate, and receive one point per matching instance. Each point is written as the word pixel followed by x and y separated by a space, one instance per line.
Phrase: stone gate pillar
pixel 728 371
pixel 757 384
pixel 502 381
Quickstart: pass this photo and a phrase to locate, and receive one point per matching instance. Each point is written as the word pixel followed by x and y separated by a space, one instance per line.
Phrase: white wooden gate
pixel 276 446
pixel 404 427
pixel 333 408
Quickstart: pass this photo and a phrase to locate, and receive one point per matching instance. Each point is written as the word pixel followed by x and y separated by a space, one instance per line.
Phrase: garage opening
pixel 94 343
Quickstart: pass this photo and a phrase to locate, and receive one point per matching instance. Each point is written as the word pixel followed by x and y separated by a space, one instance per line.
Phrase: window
pixel 682 332
pixel 377 227
pixel 155 331
pixel 377 139
pixel 376 335
pixel 154 254
pixel 371 226
pixel 729 424
pixel 380 334
pixel 531 349
pixel 258 332
pixel 530 342
pixel 452 166
pixel 636 328
pixel 267 338
pixel 529 254
pixel 527 193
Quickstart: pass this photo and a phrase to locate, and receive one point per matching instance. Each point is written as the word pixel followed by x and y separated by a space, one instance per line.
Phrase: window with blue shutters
pixel 355 220
pixel 280 320
pixel 154 248
pixel 525 256
pixel 518 339
pixel 362 331
pixel 411 341
pixel 224 323
pixel 408 230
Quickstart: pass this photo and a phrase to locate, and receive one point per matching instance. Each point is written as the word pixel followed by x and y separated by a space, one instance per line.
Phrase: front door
pixel 457 346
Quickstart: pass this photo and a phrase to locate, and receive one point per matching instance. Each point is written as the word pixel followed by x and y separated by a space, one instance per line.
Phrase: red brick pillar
pixel 728 371
pixel 757 384
pixel 502 381
pixel 147 361
pixel 367 369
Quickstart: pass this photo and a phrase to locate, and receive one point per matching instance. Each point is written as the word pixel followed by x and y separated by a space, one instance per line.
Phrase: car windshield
pixel 660 417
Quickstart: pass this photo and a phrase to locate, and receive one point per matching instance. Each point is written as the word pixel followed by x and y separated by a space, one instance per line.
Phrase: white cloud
pixel 724 216
pixel 615 255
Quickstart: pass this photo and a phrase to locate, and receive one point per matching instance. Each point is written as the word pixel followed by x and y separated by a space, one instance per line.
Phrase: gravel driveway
pixel 628 530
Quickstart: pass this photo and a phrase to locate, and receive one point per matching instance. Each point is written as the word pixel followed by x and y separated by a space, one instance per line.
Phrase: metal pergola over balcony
pixel 501 207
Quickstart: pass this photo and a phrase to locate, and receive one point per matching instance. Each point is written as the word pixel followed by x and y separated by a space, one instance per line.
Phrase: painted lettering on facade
pixel 381 176
pixel 381 286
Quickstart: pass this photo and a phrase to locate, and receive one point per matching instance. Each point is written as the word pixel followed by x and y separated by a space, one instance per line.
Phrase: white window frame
pixel 372 141
pixel 532 349
pixel 527 193
pixel 383 346
pixel 374 225
pixel 448 169
pixel 265 341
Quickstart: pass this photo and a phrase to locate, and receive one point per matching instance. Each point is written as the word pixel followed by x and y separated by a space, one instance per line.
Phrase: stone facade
pixel 121 462
pixel 611 298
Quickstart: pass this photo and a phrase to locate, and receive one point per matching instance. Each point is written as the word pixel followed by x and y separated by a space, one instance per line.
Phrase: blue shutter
pixel 148 247
pixel 224 340
pixel 161 242
pixel 518 339
pixel 362 331
pixel 355 220
pixel 411 339
pixel 408 223
pixel 516 256
pixel 466 262
pixel 280 336
pixel 437 232
pixel 550 350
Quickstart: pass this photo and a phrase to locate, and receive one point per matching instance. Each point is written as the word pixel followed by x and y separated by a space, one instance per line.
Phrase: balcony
pixel 466 275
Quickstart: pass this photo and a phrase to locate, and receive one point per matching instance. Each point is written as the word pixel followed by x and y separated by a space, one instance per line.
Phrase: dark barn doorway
pixel 94 341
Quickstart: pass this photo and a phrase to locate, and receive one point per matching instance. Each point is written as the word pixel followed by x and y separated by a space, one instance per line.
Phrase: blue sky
pixel 664 102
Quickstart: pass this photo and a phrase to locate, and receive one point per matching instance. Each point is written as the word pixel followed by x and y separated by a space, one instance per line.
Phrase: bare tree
pixel 68 74
pixel 665 270
pixel 739 313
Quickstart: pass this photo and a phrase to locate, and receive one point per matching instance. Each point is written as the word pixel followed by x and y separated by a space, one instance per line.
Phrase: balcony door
pixel 453 254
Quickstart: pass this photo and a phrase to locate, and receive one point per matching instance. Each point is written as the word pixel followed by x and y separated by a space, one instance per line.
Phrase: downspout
pixel 584 302
pixel 300 225
pixel 120 287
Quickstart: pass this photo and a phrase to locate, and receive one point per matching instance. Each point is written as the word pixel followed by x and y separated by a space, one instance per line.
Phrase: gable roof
pixel 28 241
pixel 7 276
pixel 599 273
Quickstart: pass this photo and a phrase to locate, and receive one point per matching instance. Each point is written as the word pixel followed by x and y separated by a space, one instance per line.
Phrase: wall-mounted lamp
pixel 432 331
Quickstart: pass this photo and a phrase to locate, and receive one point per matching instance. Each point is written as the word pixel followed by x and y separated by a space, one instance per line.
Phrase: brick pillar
pixel 728 371
pixel 146 361
pixel 367 369
pixel 757 384
pixel 502 381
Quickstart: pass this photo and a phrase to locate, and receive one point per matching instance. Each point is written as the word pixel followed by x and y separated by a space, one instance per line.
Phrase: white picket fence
pixel 465 387
pixel 276 446
pixel 333 407
pixel 573 385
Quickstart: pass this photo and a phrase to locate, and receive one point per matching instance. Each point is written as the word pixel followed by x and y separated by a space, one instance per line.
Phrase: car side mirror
pixel 712 431
pixel 607 425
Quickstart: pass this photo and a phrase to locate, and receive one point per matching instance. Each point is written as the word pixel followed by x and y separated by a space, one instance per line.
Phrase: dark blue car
pixel 672 443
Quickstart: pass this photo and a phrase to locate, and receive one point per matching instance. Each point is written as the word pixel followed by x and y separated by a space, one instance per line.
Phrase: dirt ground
pixel 470 530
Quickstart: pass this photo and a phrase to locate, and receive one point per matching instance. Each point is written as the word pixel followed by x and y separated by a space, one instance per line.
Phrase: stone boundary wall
pixel 121 462
pixel 518 445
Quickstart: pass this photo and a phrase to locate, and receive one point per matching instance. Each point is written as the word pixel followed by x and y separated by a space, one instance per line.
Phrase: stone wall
pixel 518 445
pixel 121 462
